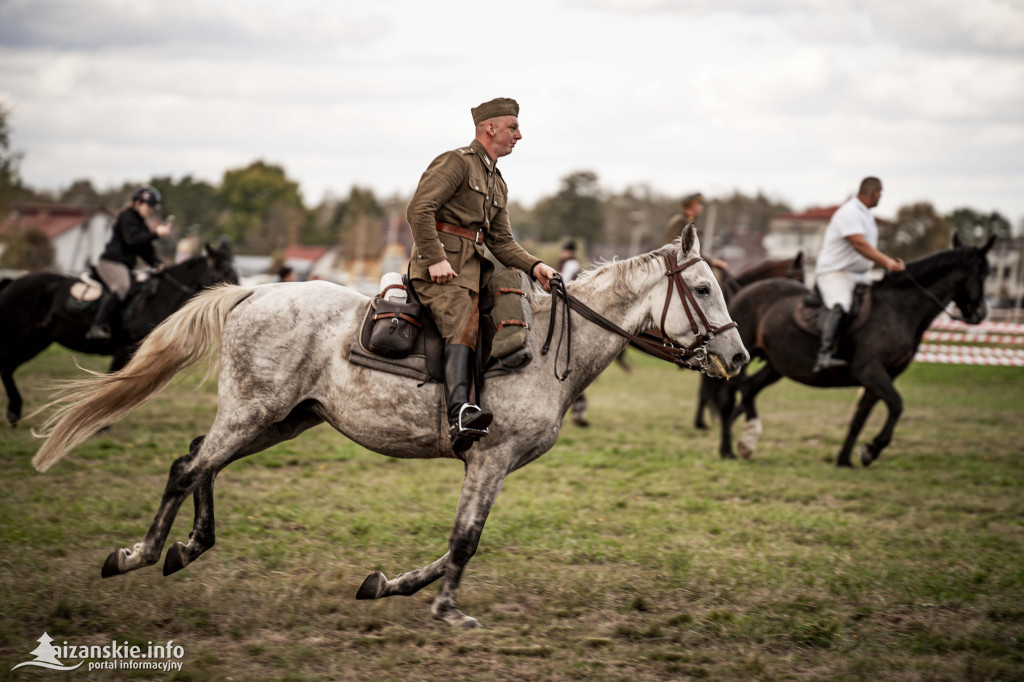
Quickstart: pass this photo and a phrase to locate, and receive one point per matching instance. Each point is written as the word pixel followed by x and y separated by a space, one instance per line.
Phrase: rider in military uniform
pixel 693 206
pixel 459 206
pixel 130 239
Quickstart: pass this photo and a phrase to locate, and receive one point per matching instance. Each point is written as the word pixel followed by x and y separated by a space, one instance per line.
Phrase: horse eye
pixel 703 290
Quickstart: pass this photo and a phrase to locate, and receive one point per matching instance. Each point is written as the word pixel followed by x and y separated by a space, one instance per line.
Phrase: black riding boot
pixel 100 328
pixel 830 321
pixel 468 422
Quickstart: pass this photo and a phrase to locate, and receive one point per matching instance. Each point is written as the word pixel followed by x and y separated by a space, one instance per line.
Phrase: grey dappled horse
pixel 284 369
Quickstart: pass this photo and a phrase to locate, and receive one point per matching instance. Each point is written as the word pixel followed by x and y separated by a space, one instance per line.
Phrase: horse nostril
pixel 740 358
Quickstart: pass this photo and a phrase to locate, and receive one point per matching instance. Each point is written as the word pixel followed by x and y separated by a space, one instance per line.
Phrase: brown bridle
pixel 693 356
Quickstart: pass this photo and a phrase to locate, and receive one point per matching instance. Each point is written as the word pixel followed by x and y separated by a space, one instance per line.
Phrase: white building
pixel 78 234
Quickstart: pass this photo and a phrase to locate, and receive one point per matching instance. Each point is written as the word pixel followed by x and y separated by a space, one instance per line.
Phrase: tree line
pixel 262 211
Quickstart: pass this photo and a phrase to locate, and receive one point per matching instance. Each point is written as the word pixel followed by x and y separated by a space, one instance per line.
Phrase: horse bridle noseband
pixel 694 356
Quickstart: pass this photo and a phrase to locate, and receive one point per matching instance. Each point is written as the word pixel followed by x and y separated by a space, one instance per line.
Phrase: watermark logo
pixel 113 656
pixel 46 656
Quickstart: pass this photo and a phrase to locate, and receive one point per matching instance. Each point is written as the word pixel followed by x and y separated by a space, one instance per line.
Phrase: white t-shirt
pixel 569 269
pixel 836 253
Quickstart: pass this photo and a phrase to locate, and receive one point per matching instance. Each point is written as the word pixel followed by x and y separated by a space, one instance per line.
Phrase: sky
pixel 798 99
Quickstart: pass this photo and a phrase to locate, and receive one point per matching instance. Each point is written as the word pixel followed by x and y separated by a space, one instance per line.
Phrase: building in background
pixel 77 234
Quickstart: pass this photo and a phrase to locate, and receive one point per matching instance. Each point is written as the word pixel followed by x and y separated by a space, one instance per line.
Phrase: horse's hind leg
pixel 202 536
pixel 13 396
pixel 180 482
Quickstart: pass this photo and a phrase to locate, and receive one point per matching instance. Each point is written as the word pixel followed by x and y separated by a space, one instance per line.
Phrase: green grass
pixel 630 551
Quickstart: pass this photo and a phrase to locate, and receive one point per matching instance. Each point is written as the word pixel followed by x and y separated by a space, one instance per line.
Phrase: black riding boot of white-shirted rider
pixel 100 328
pixel 830 322
pixel 468 422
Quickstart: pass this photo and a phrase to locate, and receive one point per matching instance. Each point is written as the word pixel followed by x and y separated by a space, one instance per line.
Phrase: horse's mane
pixel 617 271
pixel 757 272
pixel 926 269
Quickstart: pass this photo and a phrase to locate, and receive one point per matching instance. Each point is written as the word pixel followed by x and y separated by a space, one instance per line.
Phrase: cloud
pixel 72 25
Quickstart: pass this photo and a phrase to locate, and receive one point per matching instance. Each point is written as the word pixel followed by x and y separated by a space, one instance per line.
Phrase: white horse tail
pixel 183 339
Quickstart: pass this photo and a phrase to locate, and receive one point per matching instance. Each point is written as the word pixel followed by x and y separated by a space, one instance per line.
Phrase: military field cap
pixel 691 199
pixel 499 106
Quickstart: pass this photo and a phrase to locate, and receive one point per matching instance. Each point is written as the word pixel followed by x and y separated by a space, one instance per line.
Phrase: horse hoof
pixel 467 623
pixel 700 426
pixel 176 559
pixel 729 455
pixel 13 418
pixel 866 456
pixel 373 586
pixel 844 463
pixel 112 566
pixel 746 452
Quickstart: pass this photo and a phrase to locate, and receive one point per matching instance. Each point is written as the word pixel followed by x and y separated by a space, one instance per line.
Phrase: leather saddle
pixel 807 314
pixel 426 361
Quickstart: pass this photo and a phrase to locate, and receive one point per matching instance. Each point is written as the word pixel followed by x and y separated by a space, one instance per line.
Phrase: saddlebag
pixel 395 327
pixel 511 318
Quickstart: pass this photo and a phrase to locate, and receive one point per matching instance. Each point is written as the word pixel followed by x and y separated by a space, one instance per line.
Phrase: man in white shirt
pixel 848 251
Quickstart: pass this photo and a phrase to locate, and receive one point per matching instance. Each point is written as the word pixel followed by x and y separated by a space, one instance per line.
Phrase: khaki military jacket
pixel 676 227
pixel 463 187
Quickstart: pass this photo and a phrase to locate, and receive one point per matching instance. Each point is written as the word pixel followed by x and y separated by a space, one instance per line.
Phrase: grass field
pixel 630 551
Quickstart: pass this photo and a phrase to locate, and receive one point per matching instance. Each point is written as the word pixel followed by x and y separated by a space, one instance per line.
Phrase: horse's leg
pixel 760 380
pixel 867 401
pixel 377 585
pixel 703 398
pixel 14 402
pixel 202 536
pixel 181 481
pixel 484 478
pixel 878 381
pixel 230 437
pixel 121 358
pixel 11 360
pixel 722 395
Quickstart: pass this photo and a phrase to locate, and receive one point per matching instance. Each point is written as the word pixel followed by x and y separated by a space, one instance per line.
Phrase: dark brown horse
pixel 792 268
pixel 903 306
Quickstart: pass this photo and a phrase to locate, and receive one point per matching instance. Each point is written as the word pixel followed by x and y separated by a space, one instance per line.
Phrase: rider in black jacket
pixel 131 239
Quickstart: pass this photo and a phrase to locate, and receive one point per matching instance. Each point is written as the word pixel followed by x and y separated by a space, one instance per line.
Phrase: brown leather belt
pixel 476 236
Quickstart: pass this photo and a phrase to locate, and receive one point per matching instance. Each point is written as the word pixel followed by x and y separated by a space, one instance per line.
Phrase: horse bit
pixel 694 356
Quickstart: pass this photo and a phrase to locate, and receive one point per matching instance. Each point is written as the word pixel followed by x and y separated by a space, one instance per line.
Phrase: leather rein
pixel 694 356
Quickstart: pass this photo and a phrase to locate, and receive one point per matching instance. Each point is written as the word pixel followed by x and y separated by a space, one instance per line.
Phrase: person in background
pixel 131 239
pixel 848 251
pixel 693 206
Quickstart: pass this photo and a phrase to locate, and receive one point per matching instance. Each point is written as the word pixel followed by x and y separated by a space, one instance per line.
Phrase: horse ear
pixel 210 251
pixel 956 240
pixel 690 241
pixel 988 244
pixel 798 262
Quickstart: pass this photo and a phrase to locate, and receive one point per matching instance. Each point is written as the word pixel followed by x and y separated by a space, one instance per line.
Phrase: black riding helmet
pixel 147 195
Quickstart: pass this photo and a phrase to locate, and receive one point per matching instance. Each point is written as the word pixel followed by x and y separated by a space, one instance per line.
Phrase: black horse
pixel 903 306
pixel 792 268
pixel 34 312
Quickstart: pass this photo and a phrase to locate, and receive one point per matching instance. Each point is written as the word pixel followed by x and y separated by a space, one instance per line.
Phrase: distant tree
pixel 575 210
pixel 975 228
pixel 248 194
pixel 81 193
pixel 360 224
pixel 917 231
pixel 27 249
pixel 193 203
pixel 11 190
